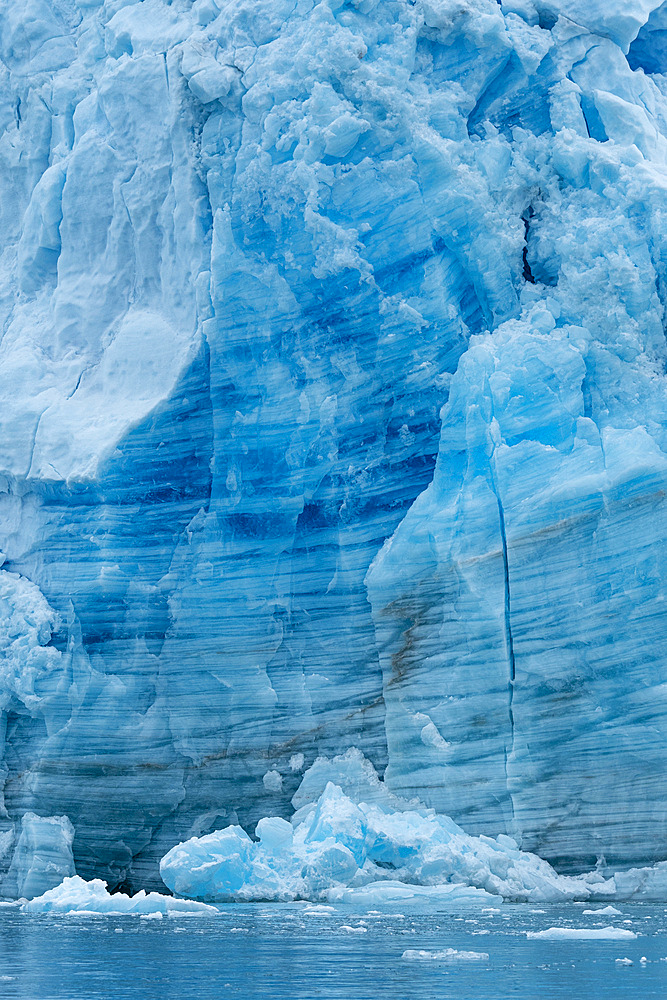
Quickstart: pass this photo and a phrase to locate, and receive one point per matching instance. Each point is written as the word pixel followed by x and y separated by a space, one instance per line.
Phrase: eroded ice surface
pixel 333 414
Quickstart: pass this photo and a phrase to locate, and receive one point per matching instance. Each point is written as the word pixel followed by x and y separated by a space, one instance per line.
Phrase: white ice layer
pixel 374 849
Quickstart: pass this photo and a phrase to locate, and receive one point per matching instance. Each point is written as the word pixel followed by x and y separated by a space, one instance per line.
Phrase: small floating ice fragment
pixel 582 934
pixel 446 955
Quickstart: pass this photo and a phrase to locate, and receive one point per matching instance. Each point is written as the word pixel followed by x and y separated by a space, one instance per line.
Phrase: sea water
pixel 299 951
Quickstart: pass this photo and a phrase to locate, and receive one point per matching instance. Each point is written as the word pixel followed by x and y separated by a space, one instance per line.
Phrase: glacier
pixel 334 415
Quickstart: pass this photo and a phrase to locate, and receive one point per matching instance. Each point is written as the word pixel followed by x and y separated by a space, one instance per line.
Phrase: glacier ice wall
pixel 334 414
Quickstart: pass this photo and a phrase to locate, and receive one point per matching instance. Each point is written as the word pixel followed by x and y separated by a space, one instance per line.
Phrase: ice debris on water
pixel 605 911
pixel 582 934
pixel 77 896
pixel 446 955
pixel 369 846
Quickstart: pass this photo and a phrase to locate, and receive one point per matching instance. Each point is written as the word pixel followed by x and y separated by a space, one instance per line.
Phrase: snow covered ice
pixel 333 415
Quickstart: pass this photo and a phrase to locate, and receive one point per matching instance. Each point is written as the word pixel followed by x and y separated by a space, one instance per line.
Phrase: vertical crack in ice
pixel 510 648
pixel 527 271
pixel 508 622
pixel 33 444
pixel 509 638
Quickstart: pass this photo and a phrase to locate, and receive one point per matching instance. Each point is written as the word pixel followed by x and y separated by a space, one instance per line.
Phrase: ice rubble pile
pixel 333 413
pixel 344 848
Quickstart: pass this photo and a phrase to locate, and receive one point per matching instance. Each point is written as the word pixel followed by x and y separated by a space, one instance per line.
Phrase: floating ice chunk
pixel 391 892
pixel 582 934
pixel 446 955
pixel 76 896
pixel 350 929
pixel 624 961
pixel 606 911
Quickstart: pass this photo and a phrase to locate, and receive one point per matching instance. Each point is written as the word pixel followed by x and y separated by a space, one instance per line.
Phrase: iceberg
pixel 332 335
pixel 340 849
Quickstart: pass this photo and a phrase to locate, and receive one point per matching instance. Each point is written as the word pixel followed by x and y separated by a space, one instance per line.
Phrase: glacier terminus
pixel 333 464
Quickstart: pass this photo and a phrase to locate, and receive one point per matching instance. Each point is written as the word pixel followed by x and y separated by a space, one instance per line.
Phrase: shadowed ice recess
pixel 334 415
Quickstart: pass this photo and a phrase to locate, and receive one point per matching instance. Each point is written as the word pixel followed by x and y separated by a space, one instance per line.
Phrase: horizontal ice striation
pixel 248 248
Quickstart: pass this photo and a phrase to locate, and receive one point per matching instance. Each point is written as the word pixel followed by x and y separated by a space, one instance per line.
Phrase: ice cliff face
pixel 334 414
